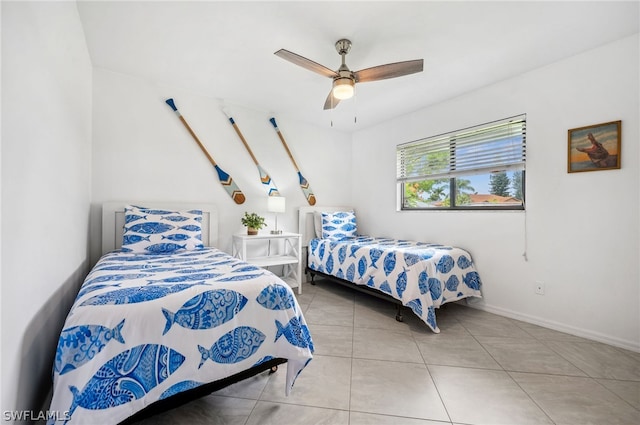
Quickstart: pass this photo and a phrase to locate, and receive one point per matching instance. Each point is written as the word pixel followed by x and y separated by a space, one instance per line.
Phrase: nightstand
pixel 281 249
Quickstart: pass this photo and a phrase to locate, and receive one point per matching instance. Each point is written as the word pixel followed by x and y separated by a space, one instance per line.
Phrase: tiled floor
pixel 481 369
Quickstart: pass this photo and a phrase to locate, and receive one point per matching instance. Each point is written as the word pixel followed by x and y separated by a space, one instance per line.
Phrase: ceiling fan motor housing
pixel 343 46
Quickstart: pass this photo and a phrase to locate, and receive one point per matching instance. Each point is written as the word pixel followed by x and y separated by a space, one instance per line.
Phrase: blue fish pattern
pixel 136 294
pixel 342 254
pixel 79 344
pixel 472 280
pixel 375 254
pixel 206 310
pixel 401 283
pixel 164 247
pixel 239 277
pixel 176 237
pixel 88 289
pixel 175 218
pixel 128 218
pixel 186 277
pixel 107 351
pixel 416 306
pixel 389 263
pixel 386 288
pixel 329 265
pixel 179 387
pixel 424 274
pixel 464 262
pixel 445 264
pixel 351 272
pixel 296 332
pixel 362 266
pixel 126 377
pixel 452 283
pixel 131 239
pixel 234 346
pixel 190 228
pixel 276 297
pixel 150 228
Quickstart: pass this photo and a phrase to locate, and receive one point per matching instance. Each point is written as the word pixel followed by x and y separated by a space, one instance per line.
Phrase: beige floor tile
pixel 599 360
pixel 396 389
pixel 332 340
pixel 379 344
pixel 576 400
pixel 629 391
pixel 206 410
pixel 266 413
pixel 476 396
pixel 359 418
pixel 534 356
pixel 455 350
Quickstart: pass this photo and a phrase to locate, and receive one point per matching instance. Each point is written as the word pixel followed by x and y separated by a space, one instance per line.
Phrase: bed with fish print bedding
pixel 145 328
pixel 418 275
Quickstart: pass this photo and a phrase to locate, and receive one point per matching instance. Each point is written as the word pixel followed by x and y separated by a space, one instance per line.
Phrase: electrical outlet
pixel 539 288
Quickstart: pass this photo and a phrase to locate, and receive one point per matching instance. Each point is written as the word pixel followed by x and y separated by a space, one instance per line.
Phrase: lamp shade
pixel 276 204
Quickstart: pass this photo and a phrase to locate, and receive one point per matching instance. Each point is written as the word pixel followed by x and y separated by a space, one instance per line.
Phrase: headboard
pixel 305 220
pixel 113 221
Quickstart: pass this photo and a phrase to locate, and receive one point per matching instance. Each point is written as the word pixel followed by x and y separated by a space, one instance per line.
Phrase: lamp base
pixel 276 232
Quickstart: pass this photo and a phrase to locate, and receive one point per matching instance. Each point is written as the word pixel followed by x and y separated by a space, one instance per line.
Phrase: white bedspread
pixel 421 275
pixel 145 327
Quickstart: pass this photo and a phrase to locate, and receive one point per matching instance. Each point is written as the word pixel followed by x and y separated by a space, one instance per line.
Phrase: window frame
pixel 453 174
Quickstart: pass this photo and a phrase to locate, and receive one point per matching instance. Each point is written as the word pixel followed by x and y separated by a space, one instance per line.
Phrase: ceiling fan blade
pixel 331 101
pixel 390 70
pixel 305 63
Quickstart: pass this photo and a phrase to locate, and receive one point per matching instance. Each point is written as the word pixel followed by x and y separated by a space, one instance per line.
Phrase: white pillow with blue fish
pixel 155 231
pixel 339 225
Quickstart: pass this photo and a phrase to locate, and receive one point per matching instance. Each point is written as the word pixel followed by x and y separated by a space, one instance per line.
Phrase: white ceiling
pixel 225 49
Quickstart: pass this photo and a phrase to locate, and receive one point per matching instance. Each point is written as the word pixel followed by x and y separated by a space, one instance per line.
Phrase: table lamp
pixel 276 204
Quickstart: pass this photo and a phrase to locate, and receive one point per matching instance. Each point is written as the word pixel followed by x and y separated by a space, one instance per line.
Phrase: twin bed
pixel 165 317
pixel 421 276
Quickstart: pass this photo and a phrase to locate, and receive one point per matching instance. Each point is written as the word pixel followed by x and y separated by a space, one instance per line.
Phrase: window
pixel 481 167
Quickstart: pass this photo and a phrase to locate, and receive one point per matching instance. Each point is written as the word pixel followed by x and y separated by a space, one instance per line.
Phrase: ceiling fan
pixel 344 80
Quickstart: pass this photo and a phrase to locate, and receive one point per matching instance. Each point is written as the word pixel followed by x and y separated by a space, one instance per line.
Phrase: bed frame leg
pixel 399 317
pixel 313 275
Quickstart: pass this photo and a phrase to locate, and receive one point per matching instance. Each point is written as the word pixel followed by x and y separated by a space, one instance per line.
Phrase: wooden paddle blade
pixel 267 181
pixel 390 70
pixel 230 186
pixel 306 189
pixel 331 101
pixel 305 63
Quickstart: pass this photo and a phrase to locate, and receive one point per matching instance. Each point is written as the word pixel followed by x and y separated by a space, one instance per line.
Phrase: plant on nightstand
pixel 253 222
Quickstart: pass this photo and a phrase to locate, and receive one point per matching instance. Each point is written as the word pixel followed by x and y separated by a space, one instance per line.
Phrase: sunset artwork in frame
pixel 594 147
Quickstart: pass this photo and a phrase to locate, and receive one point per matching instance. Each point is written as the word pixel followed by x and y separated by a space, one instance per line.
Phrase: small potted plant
pixel 253 222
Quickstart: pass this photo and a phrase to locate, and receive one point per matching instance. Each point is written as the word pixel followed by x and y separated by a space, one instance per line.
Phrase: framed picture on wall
pixel 594 147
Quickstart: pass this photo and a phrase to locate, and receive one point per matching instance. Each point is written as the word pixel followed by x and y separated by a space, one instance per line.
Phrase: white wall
pixel 582 229
pixel 46 148
pixel 142 152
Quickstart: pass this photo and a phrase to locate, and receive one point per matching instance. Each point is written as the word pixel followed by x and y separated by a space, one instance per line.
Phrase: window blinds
pixel 495 146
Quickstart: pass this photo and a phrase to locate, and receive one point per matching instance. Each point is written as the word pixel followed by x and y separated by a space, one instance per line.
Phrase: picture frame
pixel 594 147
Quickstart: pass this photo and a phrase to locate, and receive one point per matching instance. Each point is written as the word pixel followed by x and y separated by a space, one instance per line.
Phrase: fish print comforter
pixel 423 276
pixel 146 327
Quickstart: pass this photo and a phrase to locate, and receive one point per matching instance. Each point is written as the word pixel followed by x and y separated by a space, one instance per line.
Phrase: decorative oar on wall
pixel 227 182
pixel 304 184
pixel 266 180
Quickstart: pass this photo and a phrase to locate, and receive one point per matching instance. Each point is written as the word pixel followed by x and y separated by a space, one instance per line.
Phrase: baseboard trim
pixel 550 324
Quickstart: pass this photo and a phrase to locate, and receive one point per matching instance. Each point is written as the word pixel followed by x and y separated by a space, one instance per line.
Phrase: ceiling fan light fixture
pixel 343 88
